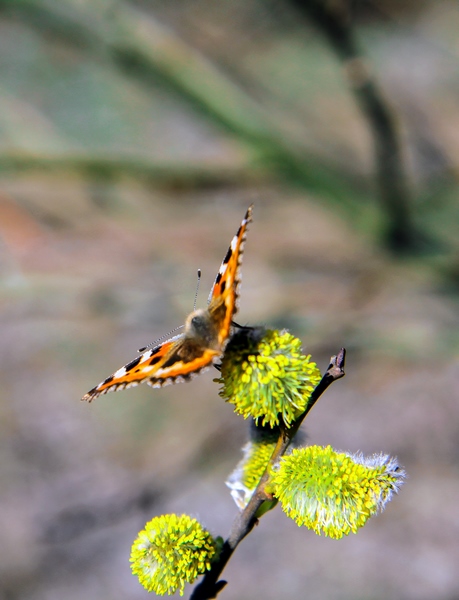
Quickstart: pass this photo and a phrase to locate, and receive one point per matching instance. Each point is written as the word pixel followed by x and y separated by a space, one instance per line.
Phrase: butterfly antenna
pixel 197 289
pixel 160 339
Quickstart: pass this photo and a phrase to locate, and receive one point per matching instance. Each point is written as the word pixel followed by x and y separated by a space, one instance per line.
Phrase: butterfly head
pixel 201 328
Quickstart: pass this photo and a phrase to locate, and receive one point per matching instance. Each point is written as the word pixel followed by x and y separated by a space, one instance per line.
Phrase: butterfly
pixel 205 335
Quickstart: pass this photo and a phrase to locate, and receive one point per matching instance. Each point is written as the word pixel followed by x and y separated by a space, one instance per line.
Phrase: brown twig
pixel 210 585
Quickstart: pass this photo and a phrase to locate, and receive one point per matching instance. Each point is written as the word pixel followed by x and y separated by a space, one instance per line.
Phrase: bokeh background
pixel 133 136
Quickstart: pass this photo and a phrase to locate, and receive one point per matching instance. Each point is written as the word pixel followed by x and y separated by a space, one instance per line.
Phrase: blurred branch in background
pixel 151 54
pixel 177 174
pixel 333 19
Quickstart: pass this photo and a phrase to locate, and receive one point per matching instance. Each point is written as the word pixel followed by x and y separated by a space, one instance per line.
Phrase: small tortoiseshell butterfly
pixel 203 341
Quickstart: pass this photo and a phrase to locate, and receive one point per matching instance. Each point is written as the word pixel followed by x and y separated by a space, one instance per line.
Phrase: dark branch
pixel 210 586
pixel 333 19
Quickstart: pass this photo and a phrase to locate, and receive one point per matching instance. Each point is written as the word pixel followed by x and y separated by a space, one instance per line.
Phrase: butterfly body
pixel 203 341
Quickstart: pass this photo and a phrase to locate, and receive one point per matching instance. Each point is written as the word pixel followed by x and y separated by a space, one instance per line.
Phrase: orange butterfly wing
pixel 134 372
pixel 170 362
pixel 224 296
pixel 184 356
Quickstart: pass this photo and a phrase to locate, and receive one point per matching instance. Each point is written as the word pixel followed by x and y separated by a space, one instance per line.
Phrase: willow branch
pixel 210 586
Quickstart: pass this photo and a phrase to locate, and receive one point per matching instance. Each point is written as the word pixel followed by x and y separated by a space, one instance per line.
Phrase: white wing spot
pixel 145 356
pixel 120 373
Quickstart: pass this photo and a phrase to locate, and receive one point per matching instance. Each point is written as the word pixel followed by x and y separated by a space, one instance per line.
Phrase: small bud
pixel 172 550
pixel 335 493
pixel 256 454
pixel 265 375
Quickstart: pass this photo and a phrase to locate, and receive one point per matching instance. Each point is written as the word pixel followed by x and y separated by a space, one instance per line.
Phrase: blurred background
pixel 133 136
